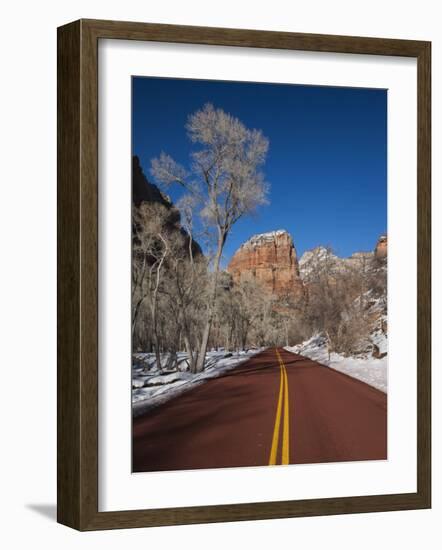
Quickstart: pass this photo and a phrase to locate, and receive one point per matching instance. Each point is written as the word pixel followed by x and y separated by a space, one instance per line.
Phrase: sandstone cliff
pixel 380 251
pixel 271 259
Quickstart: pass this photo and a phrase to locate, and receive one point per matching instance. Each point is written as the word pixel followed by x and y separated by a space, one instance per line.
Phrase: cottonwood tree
pixel 185 286
pixel 336 304
pixel 224 179
pixel 150 250
pixel 263 331
pixel 238 312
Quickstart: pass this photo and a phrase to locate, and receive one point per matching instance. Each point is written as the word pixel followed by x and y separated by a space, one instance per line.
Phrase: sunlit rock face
pixel 271 259
pixel 381 249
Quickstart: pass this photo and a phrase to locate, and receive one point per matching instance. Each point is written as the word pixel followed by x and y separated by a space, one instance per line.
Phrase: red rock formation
pixel 271 259
pixel 380 251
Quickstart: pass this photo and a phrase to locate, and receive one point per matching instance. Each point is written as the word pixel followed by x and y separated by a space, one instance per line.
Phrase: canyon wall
pixel 269 258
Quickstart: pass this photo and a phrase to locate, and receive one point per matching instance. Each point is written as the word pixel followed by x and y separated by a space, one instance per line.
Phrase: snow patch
pixel 152 386
pixel 366 368
pixel 264 237
pixel 321 257
pixel 320 253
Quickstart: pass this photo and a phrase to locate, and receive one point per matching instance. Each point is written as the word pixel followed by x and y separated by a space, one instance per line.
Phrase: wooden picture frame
pixel 78 274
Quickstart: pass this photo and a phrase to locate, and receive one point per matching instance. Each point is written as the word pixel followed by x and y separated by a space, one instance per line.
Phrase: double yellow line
pixel 283 403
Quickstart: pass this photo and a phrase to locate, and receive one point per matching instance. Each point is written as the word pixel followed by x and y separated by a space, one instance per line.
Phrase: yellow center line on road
pixel 285 435
pixel 283 403
pixel 275 439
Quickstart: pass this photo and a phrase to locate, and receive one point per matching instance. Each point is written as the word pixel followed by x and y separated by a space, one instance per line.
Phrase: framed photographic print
pixel 243 275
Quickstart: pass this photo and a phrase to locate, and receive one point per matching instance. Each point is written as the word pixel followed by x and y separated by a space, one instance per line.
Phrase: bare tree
pixel 224 178
pixel 185 288
pixel 150 249
pixel 337 302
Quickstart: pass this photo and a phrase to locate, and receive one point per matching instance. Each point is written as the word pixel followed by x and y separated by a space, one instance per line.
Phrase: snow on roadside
pixel 152 387
pixel 366 368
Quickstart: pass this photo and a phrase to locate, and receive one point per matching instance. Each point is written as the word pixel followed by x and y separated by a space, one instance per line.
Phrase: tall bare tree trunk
pixel 192 355
pixel 210 306
pixel 328 345
pixel 155 303
pixel 135 312
pixel 155 333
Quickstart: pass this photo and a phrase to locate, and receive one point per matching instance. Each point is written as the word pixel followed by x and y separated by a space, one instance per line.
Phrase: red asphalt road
pixel 325 416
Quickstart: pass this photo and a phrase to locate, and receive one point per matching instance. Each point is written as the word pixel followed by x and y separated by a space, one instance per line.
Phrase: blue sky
pixel 327 160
